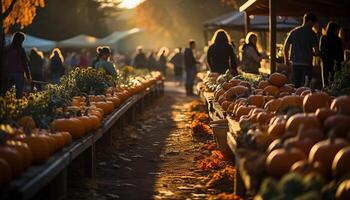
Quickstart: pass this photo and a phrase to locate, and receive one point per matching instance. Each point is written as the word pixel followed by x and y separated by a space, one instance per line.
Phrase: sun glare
pixel 130 4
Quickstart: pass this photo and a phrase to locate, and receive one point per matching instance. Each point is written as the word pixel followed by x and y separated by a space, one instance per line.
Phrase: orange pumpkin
pixel 245 83
pixel 315 100
pixel 243 110
pixel 276 130
pixel 325 151
pixel 52 142
pixel 13 158
pixel 225 105
pixel 343 191
pixel 234 82
pixel 23 149
pixel 286 88
pixel 323 113
pixel 72 125
pixel 227 85
pixel 38 146
pixel 27 122
pixel 302 119
pixel 304 145
pixel 263 117
pixel 273 105
pixel 256 100
pixel 341 162
pixel 314 134
pixel 262 84
pixel 341 104
pixel 306 92
pixel 60 139
pixel 95 122
pixel 240 90
pixel 299 90
pixel 5 172
pixel 278 79
pixel 279 161
pixel 67 136
pixel 340 122
pixel 116 101
pixel 305 167
pixel 86 122
pixel 271 90
pixel 291 101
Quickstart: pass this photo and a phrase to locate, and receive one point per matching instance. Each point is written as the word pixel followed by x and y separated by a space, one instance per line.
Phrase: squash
pixel 258 91
pixel 106 106
pixel 86 122
pixel 27 122
pixel 279 161
pixel 341 122
pixel 60 139
pixel 304 145
pixel 263 117
pixel 323 113
pixel 291 101
pixel 256 100
pixel 217 94
pixel 67 137
pixel 341 105
pixel 230 108
pixel 299 90
pixel 286 88
pixel 243 110
pixel 314 101
pixel 306 92
pixel 262 84
pixel 116 101
pixel 273 105
pixel 278 79
pixel 343 190
pixel 245 84
pixel 95 121
pixel 276 130
pixel 225 105
pixel 271 90
pixel 72 125
pixel 304 167
pixel 23 149
pixel 52 142
pixel 5 172
pixel 341 163
pixel 13 158
pixel 240 90
pixel 314 134
pixel 325 151
pixel 302 119
pixel 38 146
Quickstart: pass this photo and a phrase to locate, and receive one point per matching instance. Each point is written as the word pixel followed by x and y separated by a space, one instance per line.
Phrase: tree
pixel 13 12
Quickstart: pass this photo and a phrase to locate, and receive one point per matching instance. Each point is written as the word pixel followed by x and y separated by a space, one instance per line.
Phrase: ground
pixel 152 158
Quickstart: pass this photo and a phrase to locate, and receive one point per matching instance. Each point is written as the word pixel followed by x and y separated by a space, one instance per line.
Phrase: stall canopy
pixel 116 36
pixel 236 20
pixel 332 8
pixel 79 41
pixel 34 42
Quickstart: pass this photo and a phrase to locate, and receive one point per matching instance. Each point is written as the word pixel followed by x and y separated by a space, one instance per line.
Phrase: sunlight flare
pixel 130 4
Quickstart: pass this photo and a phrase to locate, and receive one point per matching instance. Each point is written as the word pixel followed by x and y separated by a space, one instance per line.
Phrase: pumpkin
pixel 95 121
pixel 27 122
pixel 262 140
pixel 60 139
pixel 256 100
pixel 276 130
pixel 227 85
pixel 38 146
pixel 341 122
pixel 245 83
pixel 72 125
pixel 13 158
pixel 23 149
pixel 341 162
pixel 341 104
pixel 67 136
pixel 106 106
pixel 343 190
pixel 273 105
pixel 225 105
pixel 5 172
pixel 304 167
pixel 306 92
pixel 304 145
pixel 243 110
pixel 86 122
pixel 262 84
pixel 222 98
pixel 234 82
pixel 52 142
pixel 302 119
pixel 279 161
pixel 291 101
pixel 325 151
pixel 230 94
pixel 263 117
pixel 259 91
pixel 218 93
pixel 271 90
pixel 283 94
pixel 230 108
pixel 116 101
pixel 287 89
pixel 315 100
pixel 314 134
pixel 299 90
pixel 323 113
pixel 240 90
pixel 278 79
pixel 268 98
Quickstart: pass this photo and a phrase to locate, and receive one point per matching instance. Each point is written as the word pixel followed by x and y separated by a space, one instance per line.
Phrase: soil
pixel 152 157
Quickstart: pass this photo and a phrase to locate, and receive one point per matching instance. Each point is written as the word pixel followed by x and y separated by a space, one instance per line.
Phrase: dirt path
pixel 152 159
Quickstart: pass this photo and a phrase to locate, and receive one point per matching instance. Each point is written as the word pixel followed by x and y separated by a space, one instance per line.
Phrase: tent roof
pixel 117 36
pixel 331 8
pixel 236 19
pixel 79 41
pixel 32 41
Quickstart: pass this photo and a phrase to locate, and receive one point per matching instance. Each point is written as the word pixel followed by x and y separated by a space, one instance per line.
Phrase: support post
pixel 90 162
pixel 247 23
pixel 272 30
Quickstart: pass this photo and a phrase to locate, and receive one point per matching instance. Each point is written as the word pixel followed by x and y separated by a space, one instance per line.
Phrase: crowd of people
pixel 301 46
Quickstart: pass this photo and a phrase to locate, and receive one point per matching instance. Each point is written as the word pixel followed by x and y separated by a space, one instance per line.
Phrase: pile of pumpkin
pixel 23 144
pixel 297 128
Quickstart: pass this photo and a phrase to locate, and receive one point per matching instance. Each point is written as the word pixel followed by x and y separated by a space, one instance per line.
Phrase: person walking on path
pixel 152 61
pixel 299 48
pixel 251 56
pixel 140 60
pixel 221 56
pixel 190 67
pixel 162 60
pixel 178 61
pixel 331 52
pixel 56 65
pixel 104 63
pixel 16 65
pixel 36 63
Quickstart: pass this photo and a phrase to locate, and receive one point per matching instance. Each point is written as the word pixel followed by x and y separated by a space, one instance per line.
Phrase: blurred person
pixel 152 61
pixel 331 52
pixel 190 66
pixel 251 56
pixel 56 65
pixel 16 64
pixel 240 49
pixel 162 60
pixel 344 36
pixel 221 55
pixel 299 48
pixel 84 59
pixel 104 62
pixel 36 63
pixel 178 61
pixel 140 60
pixel 97 57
